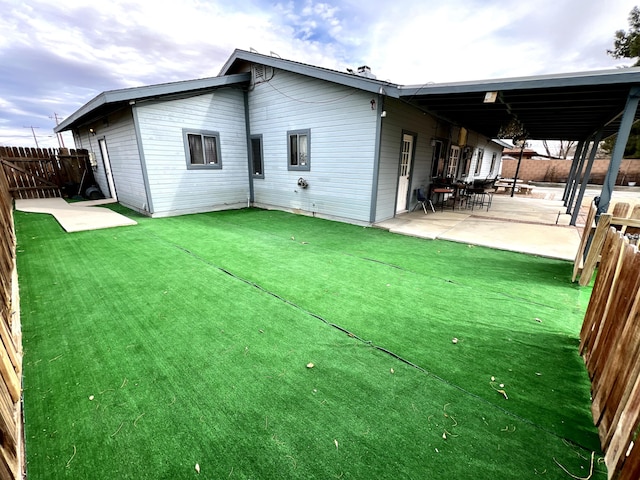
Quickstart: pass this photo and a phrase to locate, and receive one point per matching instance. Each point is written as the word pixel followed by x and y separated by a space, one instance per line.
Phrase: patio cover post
pixel 577 176
pixel 585 178
pixel 628 118
pixel 572 172
pixel 515 177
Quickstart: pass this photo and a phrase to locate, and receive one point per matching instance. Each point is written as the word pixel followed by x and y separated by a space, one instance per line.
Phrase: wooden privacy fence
pixel 610 346
pixel 45 172
pixel 11 443
pixel 623 218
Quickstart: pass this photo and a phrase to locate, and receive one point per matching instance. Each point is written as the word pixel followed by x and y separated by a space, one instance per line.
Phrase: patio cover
pixel 585 107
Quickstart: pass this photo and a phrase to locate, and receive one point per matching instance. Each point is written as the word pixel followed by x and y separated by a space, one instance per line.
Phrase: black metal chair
pixel 423 201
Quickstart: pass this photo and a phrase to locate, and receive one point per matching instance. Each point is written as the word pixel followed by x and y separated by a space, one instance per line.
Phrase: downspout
pixel 618 150
pixel 143 161
pixel 376 158
pixel 250 198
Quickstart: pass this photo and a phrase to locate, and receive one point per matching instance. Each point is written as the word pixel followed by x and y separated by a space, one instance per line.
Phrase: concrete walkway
pixel 78 216
pixel 535 224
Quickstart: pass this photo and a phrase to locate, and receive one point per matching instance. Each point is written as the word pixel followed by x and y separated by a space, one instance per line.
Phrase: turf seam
pixel 398 267
pixel 379 348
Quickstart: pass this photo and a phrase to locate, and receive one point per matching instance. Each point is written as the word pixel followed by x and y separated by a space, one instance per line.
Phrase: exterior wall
pixel 480 142
pixel 175 189
pixel 558 170
pixel 402 118
pixel 342 128
pixel 119 133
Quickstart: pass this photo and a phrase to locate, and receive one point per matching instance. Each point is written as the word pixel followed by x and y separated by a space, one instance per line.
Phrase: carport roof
pixel 570 106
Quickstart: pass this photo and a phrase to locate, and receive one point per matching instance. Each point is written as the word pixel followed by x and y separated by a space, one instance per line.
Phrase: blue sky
pixel 57 55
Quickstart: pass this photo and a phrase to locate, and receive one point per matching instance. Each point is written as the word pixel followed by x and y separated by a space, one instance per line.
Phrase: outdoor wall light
pixel 373 104
pixel 383 114
pixel 92 131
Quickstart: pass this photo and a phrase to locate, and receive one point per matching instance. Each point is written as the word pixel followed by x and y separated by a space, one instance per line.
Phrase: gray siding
pixel 343 141
pixel 119 132
pixel 176 189
pixel 402 118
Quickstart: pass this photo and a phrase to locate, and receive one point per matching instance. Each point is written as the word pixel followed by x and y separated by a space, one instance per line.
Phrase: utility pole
pixel 59 135
pixel 34 135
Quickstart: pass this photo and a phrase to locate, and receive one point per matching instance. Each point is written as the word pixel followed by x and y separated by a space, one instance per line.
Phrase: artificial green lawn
pixel 183 341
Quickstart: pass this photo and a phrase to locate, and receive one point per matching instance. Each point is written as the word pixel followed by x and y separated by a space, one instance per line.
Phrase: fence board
pixel 42 173
pixel 610 345
pixel 595 248
pixel 599 300
pixel 589 227
pixel 11 450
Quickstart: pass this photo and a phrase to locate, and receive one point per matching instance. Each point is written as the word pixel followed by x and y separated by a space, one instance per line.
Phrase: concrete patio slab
pixel 536 224
pixel 78 216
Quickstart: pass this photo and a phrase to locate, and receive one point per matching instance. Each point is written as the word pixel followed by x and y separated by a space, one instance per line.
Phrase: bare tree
pixel 562 148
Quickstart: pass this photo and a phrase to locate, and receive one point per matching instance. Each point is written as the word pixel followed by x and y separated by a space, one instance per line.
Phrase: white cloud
pixel 63 53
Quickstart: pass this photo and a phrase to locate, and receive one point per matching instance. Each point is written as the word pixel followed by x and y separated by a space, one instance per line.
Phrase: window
pixel 494 159
pixel 436 158
pixel 452 166
pixel 202 149
pixel 479 161
pixel 298 149
pixel 257 168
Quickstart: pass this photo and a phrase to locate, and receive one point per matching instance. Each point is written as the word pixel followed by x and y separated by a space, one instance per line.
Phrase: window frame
pixel 187 149
pixel 494 161
pixel 255 174
pixel 479 160
pixel 298 133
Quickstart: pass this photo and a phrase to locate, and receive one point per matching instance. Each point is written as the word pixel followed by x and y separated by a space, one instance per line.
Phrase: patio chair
pixel 423 201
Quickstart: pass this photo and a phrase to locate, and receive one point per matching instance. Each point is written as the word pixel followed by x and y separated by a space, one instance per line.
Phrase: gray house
pixel 275 134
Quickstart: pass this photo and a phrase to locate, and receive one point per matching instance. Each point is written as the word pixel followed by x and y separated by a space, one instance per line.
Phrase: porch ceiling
pixel 553 107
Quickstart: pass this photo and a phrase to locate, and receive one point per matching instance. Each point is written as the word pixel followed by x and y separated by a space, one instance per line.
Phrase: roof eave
pixel 150 91
pixel 347 79
pixel 598 77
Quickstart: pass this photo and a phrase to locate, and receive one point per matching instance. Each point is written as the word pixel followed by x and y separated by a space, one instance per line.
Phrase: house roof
pixel 113 100
pixel 569 106
pixel 241 60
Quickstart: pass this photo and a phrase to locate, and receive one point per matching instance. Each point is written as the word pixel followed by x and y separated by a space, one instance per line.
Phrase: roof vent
pixel 365 71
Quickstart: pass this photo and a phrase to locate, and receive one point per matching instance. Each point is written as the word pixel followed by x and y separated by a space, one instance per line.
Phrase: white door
pixel 454 157
pixel 405 169
pixel 107 168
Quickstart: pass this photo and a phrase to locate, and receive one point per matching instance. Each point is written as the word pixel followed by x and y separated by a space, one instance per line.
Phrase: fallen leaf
pixel 310 365
pixel 392 370
pixel 198 467
pixel 454 340
pixel 336 443
pixel 91 397
pixel 503 393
